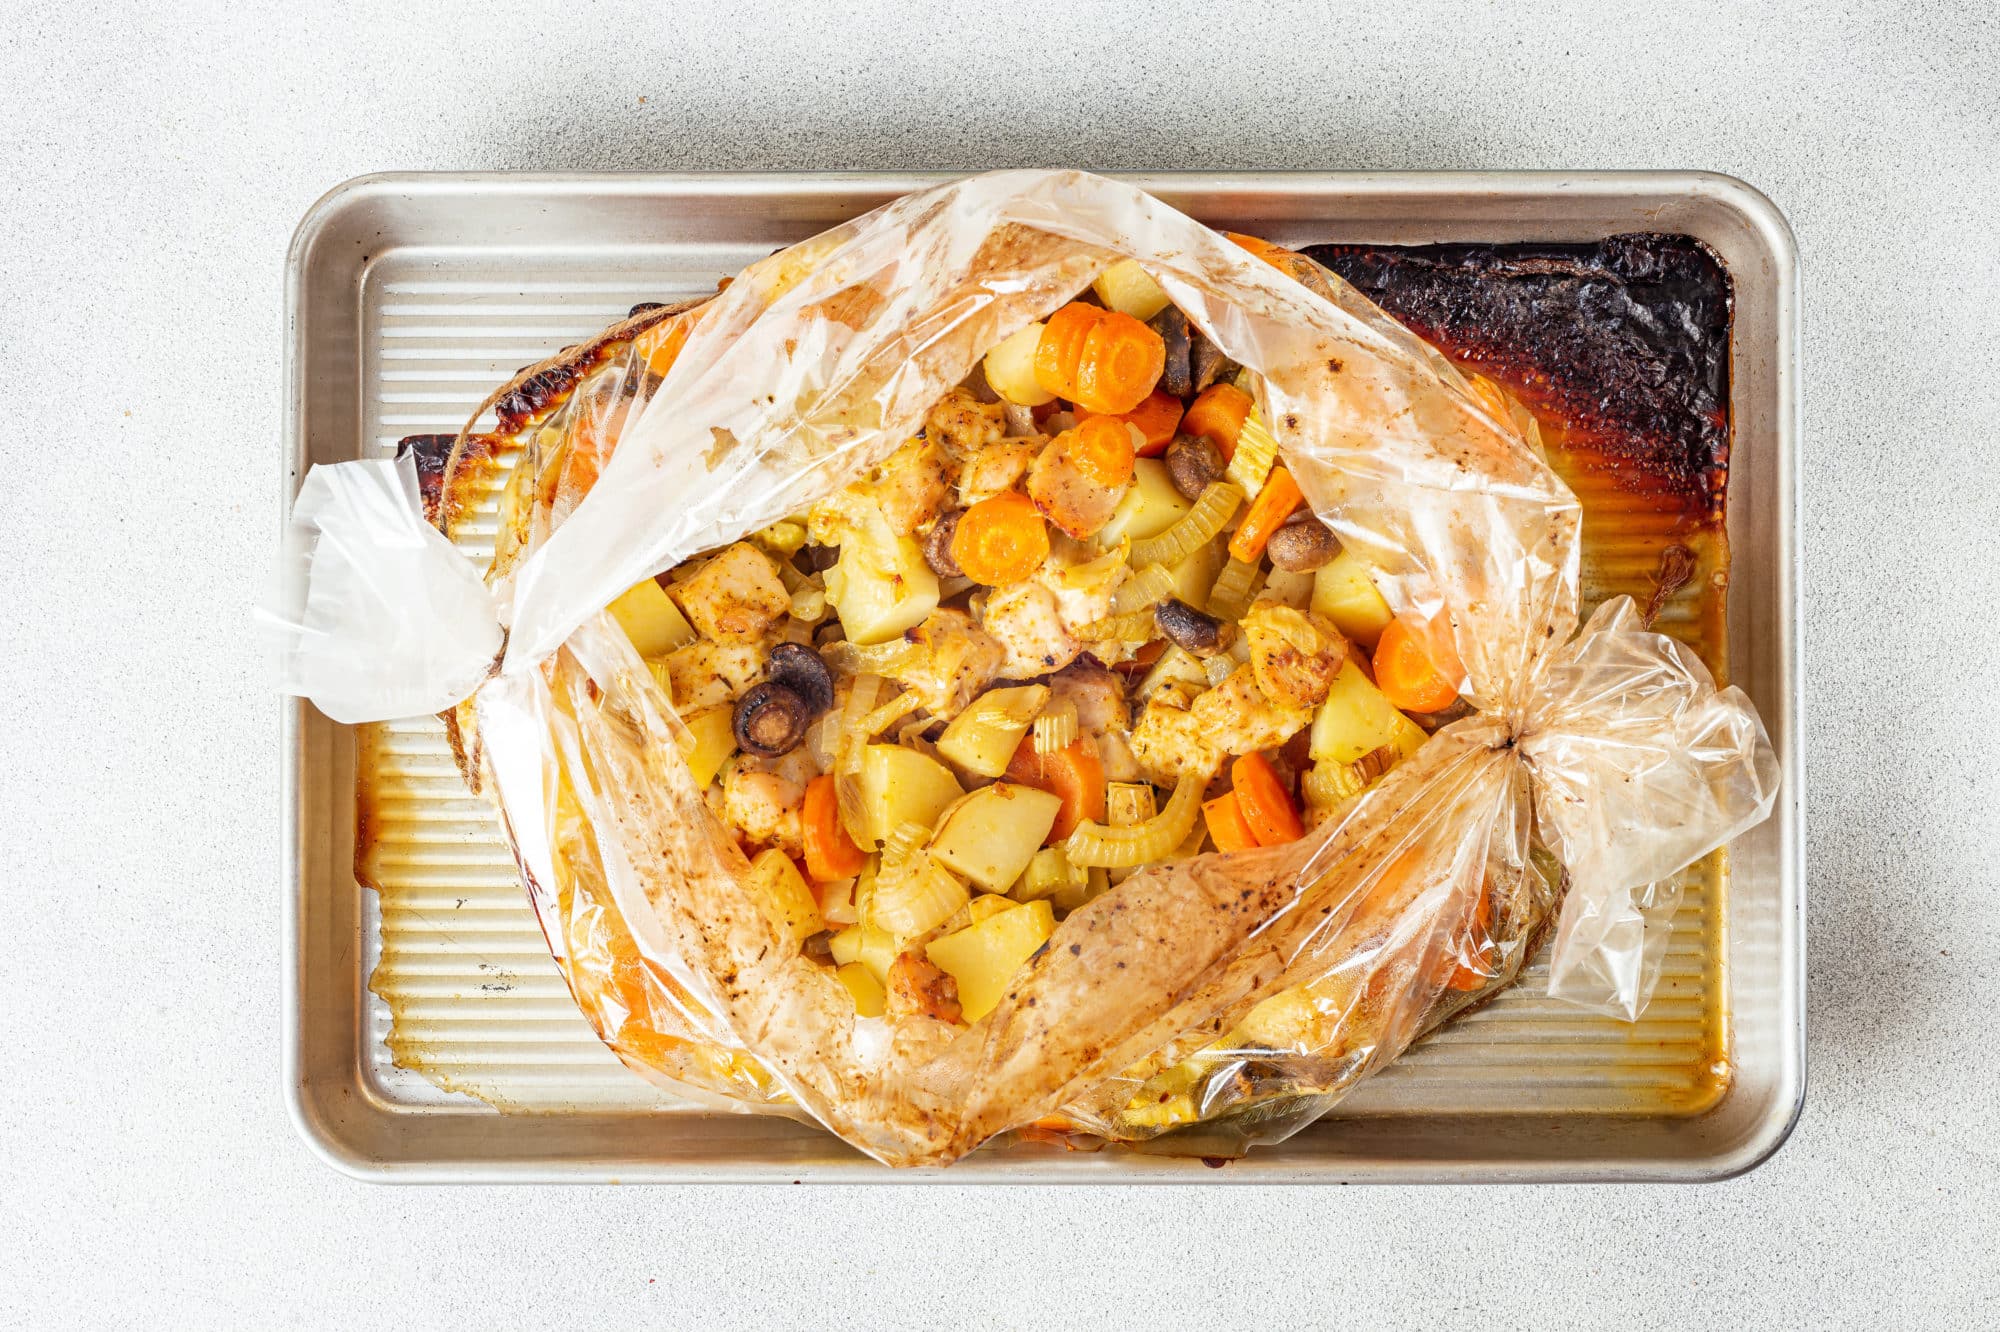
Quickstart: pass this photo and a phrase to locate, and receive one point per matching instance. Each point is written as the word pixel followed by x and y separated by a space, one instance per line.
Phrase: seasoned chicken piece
pixel 963 660
pixel 1026 620
pixel 1168 740
pixel 995 468
pixel 704 674
pixel 762 808
pixel 1083 586
pixel 1114 751
pixel 1072 501
pixel 1238 718
pixel 919 985
pixel 1294 654
pixel 962 425
pixel 1098 695
pixel 912 486
pixel 734 597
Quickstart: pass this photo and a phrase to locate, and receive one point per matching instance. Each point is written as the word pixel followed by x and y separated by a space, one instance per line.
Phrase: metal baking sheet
pixel 410 1016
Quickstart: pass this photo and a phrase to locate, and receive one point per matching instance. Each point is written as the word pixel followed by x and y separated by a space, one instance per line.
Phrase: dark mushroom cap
pixel 770 720
pixel 799 669
pixel 1177 377
pixel 1194 463
pixel 1302 545
pixel 1189 628
pixel 937 545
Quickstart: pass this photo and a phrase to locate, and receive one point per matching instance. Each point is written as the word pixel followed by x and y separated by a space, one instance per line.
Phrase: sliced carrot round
pixel 1099 447
pixel 1407 670
pixel 1157 420
pixel 1059 352
pixel 1122 360
pixel 1267 807
pixel 1000 540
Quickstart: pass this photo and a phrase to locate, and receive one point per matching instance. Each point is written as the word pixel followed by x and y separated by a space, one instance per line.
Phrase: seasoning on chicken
pixel 962 425
pixel 1079 477
pixel 997 467
pixel 705 674
pixel 736 596
pixel 762 808
pixel 1242 719
pixel 1294 654
pixel 963 659
pixel 1168 741
pixel 912 486
pixel 1028 623
pixel 1097 694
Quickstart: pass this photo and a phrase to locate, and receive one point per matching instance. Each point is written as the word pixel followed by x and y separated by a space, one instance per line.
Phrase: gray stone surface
pixel 153 165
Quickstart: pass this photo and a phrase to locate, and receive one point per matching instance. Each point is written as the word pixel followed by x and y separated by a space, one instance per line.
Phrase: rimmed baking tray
pixel 409 296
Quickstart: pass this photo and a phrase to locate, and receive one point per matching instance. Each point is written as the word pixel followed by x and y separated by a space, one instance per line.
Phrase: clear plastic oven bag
pixel 1231 996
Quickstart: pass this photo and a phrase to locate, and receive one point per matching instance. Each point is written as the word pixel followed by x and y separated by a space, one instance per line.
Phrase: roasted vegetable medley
pixel 1081 624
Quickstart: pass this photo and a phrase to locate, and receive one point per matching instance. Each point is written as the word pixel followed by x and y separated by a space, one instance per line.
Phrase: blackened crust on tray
pixel 430 454
pixel 1624 342
pixel 537 393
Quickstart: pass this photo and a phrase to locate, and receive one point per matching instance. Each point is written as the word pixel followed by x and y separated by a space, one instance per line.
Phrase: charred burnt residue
pixel 430 453
pixel 1624 343
pixel 540 391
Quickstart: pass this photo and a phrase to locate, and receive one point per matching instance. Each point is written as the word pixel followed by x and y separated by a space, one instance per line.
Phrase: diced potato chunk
pixel 1344 593
pixel 1195 575
pixel 776 881
pixel 983 958
pixel 1010 368
pixel 1294 589
pixel 983 738
pixel 651 620
pixel 1130 289
pixel 992 834
pixel 867 991
pixel 1357 718
pixel 1149 508
pixel 881 585
pixel 901 786
pixel 714 741
pixel 988 905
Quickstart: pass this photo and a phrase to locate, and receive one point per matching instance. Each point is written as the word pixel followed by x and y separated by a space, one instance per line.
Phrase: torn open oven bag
pixel 1228 999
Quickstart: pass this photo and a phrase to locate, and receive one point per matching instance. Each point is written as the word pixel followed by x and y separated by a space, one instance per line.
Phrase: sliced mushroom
pixel 1194 463
pixel 937 545
pixel 799 669
pixel 1172 326
pixel 771 720
pixel 1203 635
pixel 1208 362
pixel 1302 545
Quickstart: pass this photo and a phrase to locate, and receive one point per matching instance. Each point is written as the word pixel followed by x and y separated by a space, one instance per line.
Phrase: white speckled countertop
pixel 154 168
